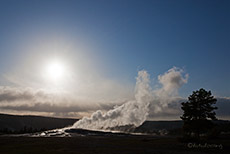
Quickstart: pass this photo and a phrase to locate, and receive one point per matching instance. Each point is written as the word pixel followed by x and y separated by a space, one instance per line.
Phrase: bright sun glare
pixel 55 70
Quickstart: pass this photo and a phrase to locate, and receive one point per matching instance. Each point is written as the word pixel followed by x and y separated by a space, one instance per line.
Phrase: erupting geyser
pixel 135 112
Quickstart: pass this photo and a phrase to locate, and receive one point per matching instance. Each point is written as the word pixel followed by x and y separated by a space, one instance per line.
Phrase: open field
pixel 104 145
pixel 96 142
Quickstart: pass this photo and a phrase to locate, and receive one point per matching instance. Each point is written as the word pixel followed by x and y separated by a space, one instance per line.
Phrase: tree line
pixel 24 130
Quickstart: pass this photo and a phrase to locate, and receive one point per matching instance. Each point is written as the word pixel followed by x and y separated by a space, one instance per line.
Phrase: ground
pixel 104 145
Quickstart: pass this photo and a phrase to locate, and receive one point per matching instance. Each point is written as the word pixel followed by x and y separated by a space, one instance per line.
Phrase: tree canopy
pixel 198 112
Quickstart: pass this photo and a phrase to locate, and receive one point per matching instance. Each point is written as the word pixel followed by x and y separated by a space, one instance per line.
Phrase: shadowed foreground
pixel 102 145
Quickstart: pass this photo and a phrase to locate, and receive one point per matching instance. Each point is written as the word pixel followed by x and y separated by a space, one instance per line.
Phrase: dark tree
pixel 198 113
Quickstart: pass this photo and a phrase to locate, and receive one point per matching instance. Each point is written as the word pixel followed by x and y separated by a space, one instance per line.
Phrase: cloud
pixel 162 103
pixel 31 100
pixel 47 107
pixel 172 80
pixel 12 94
pixel 173 110
pixel 223 105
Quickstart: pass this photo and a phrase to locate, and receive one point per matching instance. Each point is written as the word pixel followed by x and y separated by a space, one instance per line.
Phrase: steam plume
pixel 135 112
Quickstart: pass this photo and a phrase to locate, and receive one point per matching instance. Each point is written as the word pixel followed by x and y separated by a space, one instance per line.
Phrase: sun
pixel 55 70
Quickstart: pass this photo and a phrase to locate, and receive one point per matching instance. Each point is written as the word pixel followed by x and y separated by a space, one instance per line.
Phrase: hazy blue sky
pixel 70 58
pixel 125 36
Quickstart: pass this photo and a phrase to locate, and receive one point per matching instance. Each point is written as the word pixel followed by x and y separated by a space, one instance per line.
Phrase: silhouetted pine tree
pixel 198 113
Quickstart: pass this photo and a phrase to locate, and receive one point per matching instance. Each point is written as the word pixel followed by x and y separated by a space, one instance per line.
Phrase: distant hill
pixel 159 125
pixel 167 127
pixel 30 124
pixel 175 127
pixel 24 124
pixel 151 127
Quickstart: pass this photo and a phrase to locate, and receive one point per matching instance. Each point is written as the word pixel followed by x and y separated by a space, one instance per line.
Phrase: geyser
pixel 135 112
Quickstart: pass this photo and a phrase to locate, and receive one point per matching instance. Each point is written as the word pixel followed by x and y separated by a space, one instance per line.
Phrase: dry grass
pixel 101 145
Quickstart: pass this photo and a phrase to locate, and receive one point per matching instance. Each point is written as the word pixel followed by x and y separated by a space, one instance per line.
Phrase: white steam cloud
pixel 135 112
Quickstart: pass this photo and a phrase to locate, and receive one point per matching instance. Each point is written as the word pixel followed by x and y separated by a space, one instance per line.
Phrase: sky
pixel 101 45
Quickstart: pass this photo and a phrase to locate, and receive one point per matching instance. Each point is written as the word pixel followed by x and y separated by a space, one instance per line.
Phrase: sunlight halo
pixel 55 70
